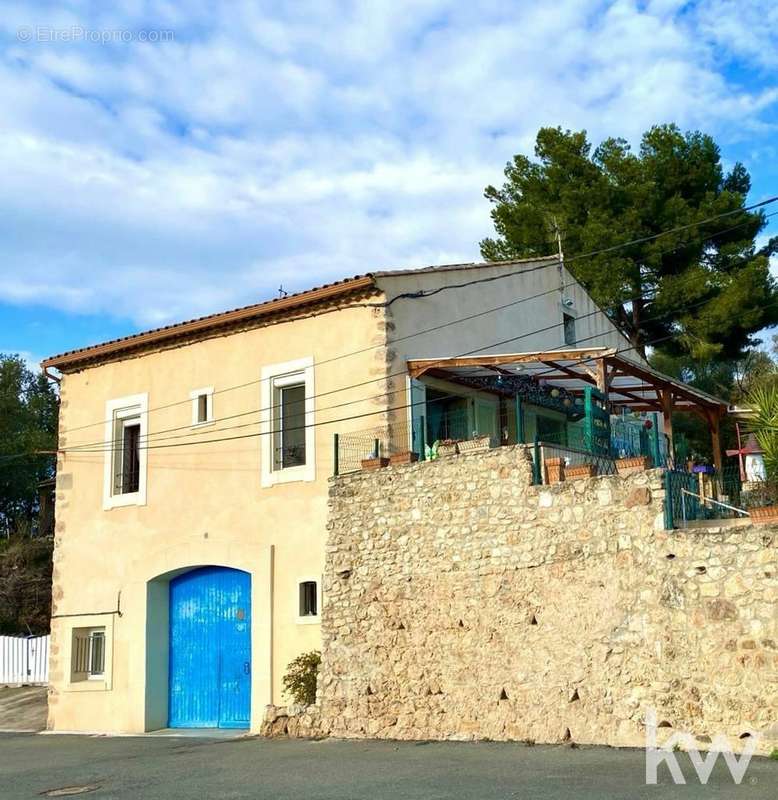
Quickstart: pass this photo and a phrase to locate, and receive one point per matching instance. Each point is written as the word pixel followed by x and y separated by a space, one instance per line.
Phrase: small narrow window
pixel 96 654
pixel 126 461
pixel 202 406
pixel 568 322
pixel 309 606
pixel 126 432
pixel 287 441
pixel 88 654
pixel 289 424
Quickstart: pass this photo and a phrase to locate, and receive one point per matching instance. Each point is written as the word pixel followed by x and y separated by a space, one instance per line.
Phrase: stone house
pixel 194 459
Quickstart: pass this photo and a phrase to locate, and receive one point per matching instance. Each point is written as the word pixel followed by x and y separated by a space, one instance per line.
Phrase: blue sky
pixel 268 143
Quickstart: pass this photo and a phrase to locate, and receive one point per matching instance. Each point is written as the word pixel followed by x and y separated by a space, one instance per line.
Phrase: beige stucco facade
pixel 205 505
pixel 210 503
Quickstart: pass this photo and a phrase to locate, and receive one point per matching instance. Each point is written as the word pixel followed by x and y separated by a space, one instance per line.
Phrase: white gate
pixel 24 659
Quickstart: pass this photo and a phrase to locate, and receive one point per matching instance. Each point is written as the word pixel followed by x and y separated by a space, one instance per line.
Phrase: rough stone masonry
pixel 462 602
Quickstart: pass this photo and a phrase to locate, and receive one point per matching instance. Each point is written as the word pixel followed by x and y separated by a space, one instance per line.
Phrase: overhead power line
pixel 154 446
pixel 157 435
pixel 101 445
pixel 476 281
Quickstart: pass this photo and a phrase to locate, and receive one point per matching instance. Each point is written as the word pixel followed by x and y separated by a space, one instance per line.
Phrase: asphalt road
pixel 149 768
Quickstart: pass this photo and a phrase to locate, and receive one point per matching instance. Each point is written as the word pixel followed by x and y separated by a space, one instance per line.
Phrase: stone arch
pixel 145 609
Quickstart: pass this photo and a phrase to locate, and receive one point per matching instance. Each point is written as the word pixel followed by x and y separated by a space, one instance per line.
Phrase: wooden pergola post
pixel 602 375
pixel 714 426
pixel 666 399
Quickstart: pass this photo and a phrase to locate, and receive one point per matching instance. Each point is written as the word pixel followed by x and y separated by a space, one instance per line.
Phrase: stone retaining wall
pixel 462 602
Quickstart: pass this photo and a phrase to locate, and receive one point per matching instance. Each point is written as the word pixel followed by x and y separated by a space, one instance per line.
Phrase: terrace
pixel 581 409
pixel 584 402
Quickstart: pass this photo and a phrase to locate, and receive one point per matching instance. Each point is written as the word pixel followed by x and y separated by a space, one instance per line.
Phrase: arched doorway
pixel 210 649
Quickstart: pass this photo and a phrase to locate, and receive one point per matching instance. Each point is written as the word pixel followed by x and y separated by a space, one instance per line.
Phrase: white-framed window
pixel 88 654
pixel 202 405
pixel 126 424
pixel 308 600
pixel 287 432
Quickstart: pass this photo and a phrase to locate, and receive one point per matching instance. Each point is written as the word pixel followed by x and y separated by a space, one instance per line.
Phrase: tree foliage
pixel 301 677
pixel 763 400
pixel 28 423
pixel 25 584
pixel 695 295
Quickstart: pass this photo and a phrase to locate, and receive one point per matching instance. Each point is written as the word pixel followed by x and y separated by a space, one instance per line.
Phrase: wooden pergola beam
pixel 636 371
pixel 642 388
pixel 602 376
pixel 670 396
pixel 417 367
pixel 714 427
pixel 655 404
pixel 588 375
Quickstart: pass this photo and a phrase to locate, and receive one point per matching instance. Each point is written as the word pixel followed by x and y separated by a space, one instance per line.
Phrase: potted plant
pixel 632 464
pixel 580 471
pixel 764 514
pixel 482 441
pixel 447 447
pixel 375 460
pixel 555 470
pixel 405 457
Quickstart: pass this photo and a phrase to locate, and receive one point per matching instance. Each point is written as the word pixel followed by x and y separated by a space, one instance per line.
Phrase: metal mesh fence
pixel 708 494
pixel 383 441
pixel 574 457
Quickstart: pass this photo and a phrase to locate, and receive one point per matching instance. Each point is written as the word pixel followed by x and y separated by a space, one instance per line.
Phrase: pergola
pixel 623 381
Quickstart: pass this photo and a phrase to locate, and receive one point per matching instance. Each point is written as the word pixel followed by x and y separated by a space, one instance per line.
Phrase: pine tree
pixel 703 292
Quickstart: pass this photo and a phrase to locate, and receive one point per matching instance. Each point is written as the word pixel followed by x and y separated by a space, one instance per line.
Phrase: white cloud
pixel 32 360
pixel 308 142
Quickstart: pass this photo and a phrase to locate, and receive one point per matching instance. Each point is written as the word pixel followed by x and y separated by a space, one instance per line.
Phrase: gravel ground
pixel 23 708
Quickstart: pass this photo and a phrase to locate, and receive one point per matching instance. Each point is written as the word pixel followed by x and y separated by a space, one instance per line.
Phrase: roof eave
pixel 215 321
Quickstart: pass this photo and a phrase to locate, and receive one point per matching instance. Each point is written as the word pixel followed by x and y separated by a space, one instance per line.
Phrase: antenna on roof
pixel 282 292
pixel 560 255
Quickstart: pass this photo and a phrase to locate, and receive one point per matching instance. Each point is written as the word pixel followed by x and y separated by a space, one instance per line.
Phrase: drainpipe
pixel 51 377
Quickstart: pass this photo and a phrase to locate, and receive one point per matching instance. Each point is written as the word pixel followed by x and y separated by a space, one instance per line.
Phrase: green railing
pixel 710 495
pixel 572 442
pixel 680 499
pixel 573 450
pixel 627 438
pixel 641 437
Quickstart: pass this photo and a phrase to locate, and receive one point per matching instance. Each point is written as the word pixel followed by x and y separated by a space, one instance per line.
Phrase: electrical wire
pixel 476 281
pixel 102 446
pixel 596 312
pixel 107 446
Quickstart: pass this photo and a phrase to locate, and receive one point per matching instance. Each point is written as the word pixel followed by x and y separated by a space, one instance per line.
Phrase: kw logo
pixel 703 766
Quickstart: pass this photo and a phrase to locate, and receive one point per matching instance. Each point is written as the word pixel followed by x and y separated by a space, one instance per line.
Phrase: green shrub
pixel 300 678
pixel 774 755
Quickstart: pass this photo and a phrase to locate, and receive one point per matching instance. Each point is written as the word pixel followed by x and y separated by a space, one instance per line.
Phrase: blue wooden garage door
pixel 210 649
